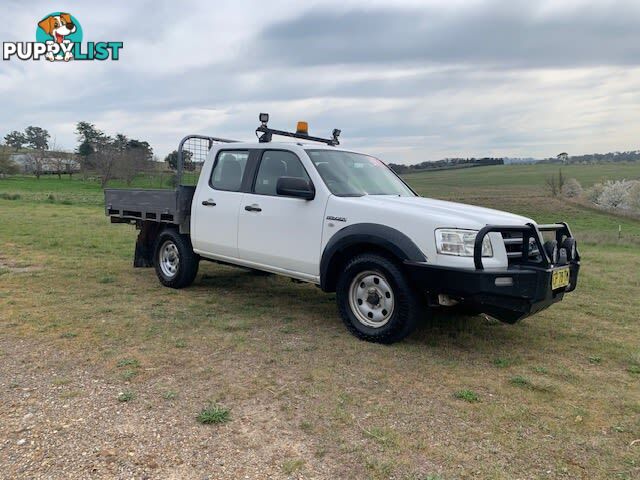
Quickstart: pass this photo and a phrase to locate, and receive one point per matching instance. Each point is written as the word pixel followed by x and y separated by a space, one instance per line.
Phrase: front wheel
pixel 376 301
pixel 175 262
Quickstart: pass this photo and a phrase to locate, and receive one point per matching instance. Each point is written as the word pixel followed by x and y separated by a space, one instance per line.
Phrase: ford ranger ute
pixel 346 222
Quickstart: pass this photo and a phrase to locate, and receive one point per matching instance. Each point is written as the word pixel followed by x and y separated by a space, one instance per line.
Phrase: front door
pixel 278 231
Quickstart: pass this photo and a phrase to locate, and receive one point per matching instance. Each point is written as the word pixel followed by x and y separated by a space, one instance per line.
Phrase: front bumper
pixel 521 290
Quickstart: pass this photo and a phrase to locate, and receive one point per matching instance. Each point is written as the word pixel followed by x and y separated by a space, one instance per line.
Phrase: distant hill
pixel 452 163
pixel 630 156
pixel 446 164
pixel 525 161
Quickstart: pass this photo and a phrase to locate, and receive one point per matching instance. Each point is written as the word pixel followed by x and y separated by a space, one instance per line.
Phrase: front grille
pixel 513 245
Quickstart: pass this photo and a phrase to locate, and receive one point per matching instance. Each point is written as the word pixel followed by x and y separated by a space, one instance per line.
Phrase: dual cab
pixel 347 223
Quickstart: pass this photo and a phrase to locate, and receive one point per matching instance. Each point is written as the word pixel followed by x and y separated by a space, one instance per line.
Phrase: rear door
pixel 218 200
pixel 283 233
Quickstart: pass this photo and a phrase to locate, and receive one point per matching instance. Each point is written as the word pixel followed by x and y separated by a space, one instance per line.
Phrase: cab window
pixel 276 164
pixel 228 170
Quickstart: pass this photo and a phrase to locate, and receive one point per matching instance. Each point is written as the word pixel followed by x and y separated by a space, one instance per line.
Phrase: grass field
pixel 104 373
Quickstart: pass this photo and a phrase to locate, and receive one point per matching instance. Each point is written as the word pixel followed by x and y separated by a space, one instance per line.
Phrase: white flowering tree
pixel 616 194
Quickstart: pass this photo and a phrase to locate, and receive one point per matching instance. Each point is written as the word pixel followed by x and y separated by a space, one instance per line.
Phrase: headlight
pixel 460 242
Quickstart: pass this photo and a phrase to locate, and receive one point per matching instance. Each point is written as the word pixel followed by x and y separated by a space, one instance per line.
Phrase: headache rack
pixel 137 205
pixel 524 243
pixel 196 148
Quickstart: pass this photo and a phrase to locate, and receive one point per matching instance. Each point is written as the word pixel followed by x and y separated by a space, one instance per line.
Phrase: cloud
pixel 415 81
pixel 512 34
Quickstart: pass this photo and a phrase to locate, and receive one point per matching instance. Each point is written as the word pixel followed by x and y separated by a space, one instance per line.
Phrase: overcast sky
pixel 406 81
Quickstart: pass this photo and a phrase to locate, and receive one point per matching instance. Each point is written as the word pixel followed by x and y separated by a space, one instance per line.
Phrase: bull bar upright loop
pixel 528 231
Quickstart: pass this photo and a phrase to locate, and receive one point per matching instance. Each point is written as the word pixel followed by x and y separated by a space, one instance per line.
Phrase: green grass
pixel 214 414
pixel 70 191
pixel 129 362
pixel 292 465
pixel 126 396
pixel 520 176
pixel 467 395
pixel 503 362
pixel 128 374
pixel 293 374
pixel 520 381
pixel 170 395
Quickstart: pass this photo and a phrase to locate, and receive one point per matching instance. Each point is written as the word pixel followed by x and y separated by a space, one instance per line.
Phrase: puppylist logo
pixel 59 38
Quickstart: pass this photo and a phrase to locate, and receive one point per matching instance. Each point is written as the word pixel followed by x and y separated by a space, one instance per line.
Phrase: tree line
pixel 446 163
pixel 36 138
pixel 107 157
pixel 111 157
pixel 97 154
pixel 610 157
pixel 561 158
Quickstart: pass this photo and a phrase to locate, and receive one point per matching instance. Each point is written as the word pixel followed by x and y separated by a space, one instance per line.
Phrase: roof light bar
pixel 302 132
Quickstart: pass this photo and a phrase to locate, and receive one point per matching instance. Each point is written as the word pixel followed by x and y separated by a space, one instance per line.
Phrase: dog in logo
pixel 58 27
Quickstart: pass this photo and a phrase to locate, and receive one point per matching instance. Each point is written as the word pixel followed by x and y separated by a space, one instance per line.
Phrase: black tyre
pixel 376 301
pixel 175 262
pixel 569 244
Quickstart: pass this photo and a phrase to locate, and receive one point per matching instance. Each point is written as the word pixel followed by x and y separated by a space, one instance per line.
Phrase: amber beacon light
pixel 303 128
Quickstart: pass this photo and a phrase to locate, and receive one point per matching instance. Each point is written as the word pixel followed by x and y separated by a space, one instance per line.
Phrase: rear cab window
pixel 228 170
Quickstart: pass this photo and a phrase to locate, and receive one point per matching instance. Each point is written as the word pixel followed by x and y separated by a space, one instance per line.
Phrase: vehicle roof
pixel 283 145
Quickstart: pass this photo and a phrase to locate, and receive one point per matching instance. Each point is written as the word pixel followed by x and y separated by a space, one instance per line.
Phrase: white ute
pixel 346 222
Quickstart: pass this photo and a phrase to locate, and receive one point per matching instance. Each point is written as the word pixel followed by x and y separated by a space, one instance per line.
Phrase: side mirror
pixel 295 187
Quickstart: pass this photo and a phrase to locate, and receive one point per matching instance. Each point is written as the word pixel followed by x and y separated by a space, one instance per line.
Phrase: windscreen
pixel 349 174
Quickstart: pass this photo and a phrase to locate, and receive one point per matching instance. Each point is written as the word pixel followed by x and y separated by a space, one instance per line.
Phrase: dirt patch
pixel 11 266
pixel 62 418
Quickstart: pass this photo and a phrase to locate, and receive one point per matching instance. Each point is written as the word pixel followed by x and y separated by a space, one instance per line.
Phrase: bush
pixel 555 183
pixel 633 198
pixel 7 167
pixel 594 192
pixel 9 196
pixel 615 194
pixel 572 188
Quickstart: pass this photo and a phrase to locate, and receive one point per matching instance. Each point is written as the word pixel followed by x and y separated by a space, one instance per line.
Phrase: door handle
pixel 253 208
pixel 209 203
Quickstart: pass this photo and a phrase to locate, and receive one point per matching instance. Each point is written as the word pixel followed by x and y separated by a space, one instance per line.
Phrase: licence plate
pixel 560 278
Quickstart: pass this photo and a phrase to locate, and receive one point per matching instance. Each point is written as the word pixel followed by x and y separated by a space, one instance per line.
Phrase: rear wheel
pixel 376 301
pixel 175 262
